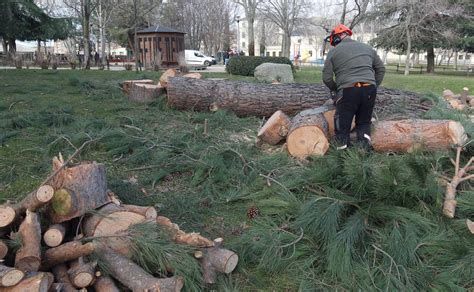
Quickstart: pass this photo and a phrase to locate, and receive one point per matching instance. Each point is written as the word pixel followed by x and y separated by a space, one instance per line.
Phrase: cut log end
pixel 45 193
pixel 54 235
pixel 10 276
pixel 7 215
pixel 3 249
pixel 82 280
pixel 231 263
pixel 307 141
pixel 275 129
pixel 457 133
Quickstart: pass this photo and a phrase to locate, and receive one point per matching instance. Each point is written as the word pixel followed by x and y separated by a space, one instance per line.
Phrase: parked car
pixel 197 58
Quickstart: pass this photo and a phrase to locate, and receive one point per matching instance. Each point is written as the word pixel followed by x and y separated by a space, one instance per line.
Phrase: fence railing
pixel 421 69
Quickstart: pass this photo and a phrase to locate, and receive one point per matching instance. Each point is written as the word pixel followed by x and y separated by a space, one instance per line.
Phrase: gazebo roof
pixel 160 28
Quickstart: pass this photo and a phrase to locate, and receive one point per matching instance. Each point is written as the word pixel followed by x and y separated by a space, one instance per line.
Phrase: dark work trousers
pixel 358 102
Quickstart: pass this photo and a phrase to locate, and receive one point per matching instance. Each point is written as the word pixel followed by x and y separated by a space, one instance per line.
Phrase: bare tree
pixel 103 16
pixel 285 14
pixel 250 9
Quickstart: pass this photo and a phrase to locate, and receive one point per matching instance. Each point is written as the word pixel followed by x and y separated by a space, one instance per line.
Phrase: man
pixel 358 70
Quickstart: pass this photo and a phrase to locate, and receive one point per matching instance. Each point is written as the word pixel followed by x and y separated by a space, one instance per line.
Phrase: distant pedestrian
pixel 226 57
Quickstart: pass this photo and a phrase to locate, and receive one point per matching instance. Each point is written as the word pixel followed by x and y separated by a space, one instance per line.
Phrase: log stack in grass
pixel 56 256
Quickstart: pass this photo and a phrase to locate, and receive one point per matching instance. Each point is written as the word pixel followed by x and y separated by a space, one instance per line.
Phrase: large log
pixel 32 202
pixel 308 134
pixel 134 277
pixel 38 282
pixel 409 135
pixel 10 276
pixel 66 252
pixel 79 189
pixel 28 257
pixel 257 99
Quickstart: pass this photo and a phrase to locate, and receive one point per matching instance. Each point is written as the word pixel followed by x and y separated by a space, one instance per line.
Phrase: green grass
pixel 207 183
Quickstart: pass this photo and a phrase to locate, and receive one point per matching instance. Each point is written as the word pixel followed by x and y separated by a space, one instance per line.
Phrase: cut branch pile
pixel 459 101
pixel 85 219
pixel 309 133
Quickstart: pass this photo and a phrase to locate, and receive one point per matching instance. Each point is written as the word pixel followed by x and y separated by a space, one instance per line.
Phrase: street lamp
pixel 238 34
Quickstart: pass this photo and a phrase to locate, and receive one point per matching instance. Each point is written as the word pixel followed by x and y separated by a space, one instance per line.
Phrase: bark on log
pixel 3 249
pixel 216 259
pixel 33 201
pixel 112 219
pixel 179 236
pixel 408 135
pixel 127 84
pixel 10 276
pixel 256 99
pixel 164 78
pixel 80 273
pixel 66 252
pixel 105 284
pixel 54 236
pixel 39 282
pixel 61 276
pixel 134 277
pixel 79 189
pixel 275 129
pixel 308 134
pixel 28 257
pixel 145 92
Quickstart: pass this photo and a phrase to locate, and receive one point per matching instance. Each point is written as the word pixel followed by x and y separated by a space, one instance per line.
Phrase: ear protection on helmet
pixel 333 39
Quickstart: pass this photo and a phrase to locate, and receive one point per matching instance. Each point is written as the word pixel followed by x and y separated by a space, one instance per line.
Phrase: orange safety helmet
pixel 335 38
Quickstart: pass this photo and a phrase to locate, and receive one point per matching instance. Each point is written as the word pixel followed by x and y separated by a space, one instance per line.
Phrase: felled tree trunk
pixel 54 235
pixel 66 252
pixel 39 282
pixel 28 257
pixel 145 92
pixel 113 219
pixel 105 284
pixel 262 100
pixel 216 259
pixel 127 84
pixel 61 276
pixel 78 189
pixel 10 276
pixel 408 135
pixel 275 129
pixel 308 134
pixel 33 201
pixel 80 273
pixel 134 277
pixel 179 236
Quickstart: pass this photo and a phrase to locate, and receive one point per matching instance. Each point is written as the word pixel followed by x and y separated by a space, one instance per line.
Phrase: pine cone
pixel 253 212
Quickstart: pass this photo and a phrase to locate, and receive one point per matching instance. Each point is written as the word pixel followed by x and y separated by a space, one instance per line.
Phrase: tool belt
pixel 361 84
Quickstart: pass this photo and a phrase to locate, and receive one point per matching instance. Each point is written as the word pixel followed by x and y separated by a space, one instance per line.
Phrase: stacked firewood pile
pixel 72 216
pixel 310 131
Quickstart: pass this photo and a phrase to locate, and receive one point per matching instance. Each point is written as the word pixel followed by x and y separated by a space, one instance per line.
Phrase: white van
pixel 197 58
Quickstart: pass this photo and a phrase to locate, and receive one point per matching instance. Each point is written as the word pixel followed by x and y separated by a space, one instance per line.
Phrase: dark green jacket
pixel 351 62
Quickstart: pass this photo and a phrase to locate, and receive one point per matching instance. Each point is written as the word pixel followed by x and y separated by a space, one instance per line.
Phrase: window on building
pixel 310 41
pixel 310 53
pixel 468 57
pixel 460 57
pixel 243 34
pixel 267 54
pixel 243 45
pixel 426 57
pixel 279 54
pixel 273 54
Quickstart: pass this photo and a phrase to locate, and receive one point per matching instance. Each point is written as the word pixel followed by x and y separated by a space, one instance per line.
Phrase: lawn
pixel 208 183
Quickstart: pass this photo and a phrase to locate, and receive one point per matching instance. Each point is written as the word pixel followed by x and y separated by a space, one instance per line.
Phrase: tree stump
pixel 308 134
pixel 144 93
pixel 28 257
pixel 10 276
pixel 275 129
pixel 127 84
pixel 78 189
pixel 134 277
pixel 409 135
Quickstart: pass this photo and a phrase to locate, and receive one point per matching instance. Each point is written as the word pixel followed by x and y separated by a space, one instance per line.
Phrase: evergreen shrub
pixel 245 65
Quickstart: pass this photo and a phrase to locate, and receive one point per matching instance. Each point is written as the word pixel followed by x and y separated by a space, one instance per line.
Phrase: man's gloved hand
pixel 334 97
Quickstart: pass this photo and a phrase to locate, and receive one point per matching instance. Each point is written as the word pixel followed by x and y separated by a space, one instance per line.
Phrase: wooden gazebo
pixel 168 41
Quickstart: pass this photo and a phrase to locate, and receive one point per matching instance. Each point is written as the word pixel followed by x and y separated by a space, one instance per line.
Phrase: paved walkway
pixel 211 69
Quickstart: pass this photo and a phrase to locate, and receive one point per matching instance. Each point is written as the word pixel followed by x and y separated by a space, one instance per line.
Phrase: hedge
pixel 245 65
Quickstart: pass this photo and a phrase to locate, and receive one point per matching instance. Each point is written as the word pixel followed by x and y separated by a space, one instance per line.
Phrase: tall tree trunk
pixel 286 45
pixel 226 32
pixel 408 52
pixel 86 13
pixel 262 38
pixel 431 60
pixel 136 52
pixel 11 48
pixel 250 31
pixel 102 34
pixel 456 60
pixel 4 46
